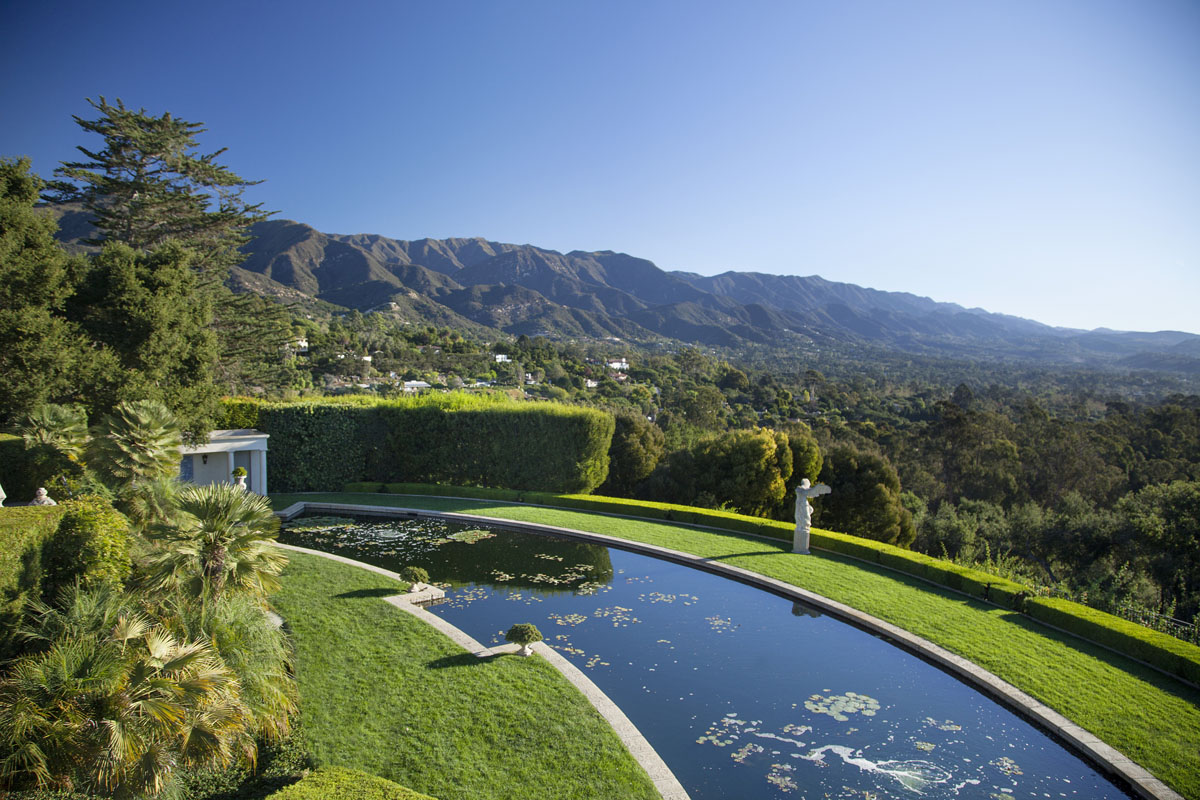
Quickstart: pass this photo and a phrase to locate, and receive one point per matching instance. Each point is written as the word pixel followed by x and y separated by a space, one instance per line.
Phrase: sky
pixel 1039 158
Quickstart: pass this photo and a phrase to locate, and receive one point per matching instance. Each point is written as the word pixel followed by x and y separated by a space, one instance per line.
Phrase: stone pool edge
pixel 1107 758
pixel 664 780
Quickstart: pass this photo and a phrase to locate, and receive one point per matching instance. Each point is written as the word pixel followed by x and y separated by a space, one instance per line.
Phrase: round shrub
pixel 524 634
pixel 92 544
pixel 414 575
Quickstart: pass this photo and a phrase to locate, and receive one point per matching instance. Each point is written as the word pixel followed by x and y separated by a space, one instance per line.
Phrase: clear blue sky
pixel 1032 157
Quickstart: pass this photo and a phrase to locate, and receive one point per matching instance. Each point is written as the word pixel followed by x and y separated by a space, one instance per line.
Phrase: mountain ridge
pixel 474 282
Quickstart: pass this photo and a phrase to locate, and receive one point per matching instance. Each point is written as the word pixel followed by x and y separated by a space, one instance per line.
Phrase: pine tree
pixel 149 186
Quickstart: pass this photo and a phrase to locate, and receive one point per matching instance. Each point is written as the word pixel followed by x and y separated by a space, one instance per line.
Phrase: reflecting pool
pixel 743 693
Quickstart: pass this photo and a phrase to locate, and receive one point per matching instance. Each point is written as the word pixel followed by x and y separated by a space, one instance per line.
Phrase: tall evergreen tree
pixel 150 186
pixel 146 310
pixel 40 353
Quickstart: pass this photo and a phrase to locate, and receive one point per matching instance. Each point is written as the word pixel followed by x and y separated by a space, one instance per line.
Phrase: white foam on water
pixel 914 775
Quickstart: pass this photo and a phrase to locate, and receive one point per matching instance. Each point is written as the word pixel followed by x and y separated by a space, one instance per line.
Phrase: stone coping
pixel 668 786
pixel 1108 759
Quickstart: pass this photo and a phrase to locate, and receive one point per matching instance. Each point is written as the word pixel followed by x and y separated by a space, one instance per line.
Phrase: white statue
pixel 40 498
pixel 804 513
pixel 2 496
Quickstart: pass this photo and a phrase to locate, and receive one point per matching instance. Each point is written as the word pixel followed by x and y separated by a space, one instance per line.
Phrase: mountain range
pixel 474 283
pixel 483 286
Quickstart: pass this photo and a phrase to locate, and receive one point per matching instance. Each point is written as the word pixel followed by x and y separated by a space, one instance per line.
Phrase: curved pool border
pixel 1115 764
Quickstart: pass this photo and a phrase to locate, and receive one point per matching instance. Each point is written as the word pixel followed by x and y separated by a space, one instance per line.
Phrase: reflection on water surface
pixel 743 694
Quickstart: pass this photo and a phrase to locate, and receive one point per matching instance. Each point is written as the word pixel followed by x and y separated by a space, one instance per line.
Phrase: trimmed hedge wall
pixel 442 438
pixel 1158 649
pixel 339 783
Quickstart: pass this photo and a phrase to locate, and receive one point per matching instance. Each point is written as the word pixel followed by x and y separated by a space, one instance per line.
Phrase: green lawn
pixel 1152 718
pixel 382 692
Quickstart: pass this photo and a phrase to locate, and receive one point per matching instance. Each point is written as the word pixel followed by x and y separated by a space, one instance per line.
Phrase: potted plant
pixel 416 576
pixel 239 476
pixel 524 634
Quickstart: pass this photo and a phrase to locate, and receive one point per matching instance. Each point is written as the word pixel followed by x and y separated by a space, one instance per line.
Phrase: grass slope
pixel 383 693
pixel 1150 717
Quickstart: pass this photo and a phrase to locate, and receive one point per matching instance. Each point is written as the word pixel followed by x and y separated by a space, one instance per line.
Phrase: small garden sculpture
pixel 524 634
pixel 804 511
pixel 416 576
pixel 239 476
pixel 40 498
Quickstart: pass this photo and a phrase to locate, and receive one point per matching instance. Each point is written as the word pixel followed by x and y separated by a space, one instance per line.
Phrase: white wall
pixel 217 470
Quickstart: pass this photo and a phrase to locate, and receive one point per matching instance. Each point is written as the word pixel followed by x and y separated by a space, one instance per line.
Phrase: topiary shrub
pixel 524 634
pixel 92 544
pixel 415 576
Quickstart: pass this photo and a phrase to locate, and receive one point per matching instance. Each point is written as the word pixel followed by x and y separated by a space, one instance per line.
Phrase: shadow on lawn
pixel 458 660
pixel 378 592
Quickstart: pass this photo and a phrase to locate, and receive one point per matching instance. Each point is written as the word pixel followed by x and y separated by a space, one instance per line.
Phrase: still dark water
pixel 744 694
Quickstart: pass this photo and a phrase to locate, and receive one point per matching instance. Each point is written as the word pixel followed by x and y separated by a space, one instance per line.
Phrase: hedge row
pixel 338 783
pixel 44 548
pixel 447 438
pixel 1159 649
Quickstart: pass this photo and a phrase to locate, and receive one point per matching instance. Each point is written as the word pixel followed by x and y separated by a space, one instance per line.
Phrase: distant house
pixel 415 386
pixel 214 461
pixel 502 359
pixel 299 346
pixel 591 384
pixel 620 365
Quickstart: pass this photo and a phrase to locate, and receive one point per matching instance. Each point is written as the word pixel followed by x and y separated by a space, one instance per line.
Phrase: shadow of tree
pixel 458 660
pixel 379 592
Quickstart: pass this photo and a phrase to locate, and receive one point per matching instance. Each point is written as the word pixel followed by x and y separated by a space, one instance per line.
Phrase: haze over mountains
pixel 524 289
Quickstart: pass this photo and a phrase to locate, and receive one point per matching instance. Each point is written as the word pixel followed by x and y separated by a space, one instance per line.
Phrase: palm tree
pixel 56 437
pixel 223 539
pixel 135 451
pixel 114 702
pixel 251 645
pixel 60 428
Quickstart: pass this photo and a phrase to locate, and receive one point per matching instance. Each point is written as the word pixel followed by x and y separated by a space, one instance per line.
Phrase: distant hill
pixel 476 284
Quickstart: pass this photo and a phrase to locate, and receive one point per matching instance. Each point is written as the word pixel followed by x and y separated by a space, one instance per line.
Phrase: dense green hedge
pixel 24 534
pixel 338 783
pixel 1158 649
pixel 461 439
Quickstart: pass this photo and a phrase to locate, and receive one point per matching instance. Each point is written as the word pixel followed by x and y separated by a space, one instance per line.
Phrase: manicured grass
pixel 1150 717
pixel 384 693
